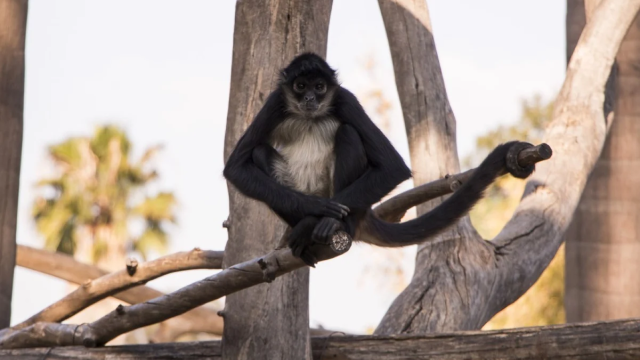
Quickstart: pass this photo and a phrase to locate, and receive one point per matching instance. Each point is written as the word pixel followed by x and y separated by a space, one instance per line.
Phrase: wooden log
pixel 583 341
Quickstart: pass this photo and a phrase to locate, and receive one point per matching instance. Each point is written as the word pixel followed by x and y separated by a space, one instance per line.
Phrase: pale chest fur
pixel 307 156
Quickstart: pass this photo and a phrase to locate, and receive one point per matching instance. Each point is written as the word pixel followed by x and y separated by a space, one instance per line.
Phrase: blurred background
pixel 141 88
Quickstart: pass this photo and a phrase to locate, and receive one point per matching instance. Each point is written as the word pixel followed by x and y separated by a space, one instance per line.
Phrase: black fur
pixel 367 168
pixel 444 215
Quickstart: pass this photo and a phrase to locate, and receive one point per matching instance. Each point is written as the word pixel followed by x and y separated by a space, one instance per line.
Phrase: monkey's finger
pixel 308 258
pixel 320 230
pixel 296 249
pixel 334 227
pixel 343 209
pixel 334 212
pixel 327 231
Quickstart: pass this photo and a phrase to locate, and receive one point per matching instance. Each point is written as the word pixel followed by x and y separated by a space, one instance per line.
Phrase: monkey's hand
pixel 324 207
pixel 300 239
pixel 326 228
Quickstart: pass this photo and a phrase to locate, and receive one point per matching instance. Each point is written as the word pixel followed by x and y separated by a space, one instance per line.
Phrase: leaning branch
pixel 98 284
pixel 577 133
pixel 133 275
pixel 125 319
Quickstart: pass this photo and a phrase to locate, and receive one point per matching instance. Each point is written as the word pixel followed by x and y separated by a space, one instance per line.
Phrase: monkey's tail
pixel 444 215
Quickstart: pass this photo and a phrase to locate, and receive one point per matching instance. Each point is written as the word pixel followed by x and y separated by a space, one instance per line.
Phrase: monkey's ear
pixel 283 74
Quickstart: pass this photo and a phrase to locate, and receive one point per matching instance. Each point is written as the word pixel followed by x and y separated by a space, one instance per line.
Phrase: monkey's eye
pixel 320 87
pixel 300 86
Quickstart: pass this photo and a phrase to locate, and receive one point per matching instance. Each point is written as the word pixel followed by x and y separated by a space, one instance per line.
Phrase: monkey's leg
pixel 350 164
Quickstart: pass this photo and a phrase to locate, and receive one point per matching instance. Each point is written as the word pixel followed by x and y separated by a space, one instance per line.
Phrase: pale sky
pixel 161 69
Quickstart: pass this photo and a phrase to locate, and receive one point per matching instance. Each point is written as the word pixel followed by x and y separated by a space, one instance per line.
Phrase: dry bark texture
pixel 461 281
pixel 603 241
pixel 13 26
pixel 266 321
pixel 124 319
pixel 97 284
pixel 67 268
pixel 614 340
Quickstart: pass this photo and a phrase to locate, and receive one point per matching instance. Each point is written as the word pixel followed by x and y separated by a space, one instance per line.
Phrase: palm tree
pixel 90 203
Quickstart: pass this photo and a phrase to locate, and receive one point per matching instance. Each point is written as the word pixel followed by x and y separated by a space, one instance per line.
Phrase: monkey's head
pixel 308 84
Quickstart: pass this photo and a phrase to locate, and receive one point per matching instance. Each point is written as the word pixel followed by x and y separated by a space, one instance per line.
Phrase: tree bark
pixel 272 320
pixel 65 267
pixel 602 246
pixel 13 26
pixel 460 280
pixel 241 276
pixel 95 290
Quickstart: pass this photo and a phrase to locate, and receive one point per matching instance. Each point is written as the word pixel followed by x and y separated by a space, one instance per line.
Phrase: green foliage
pixel 543 303
pixel 89 204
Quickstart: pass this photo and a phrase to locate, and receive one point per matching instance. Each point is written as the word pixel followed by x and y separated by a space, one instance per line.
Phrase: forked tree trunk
pixel 13 26
pixel 604 241
pixel 269 321
pixel 431 132
pixel 461 281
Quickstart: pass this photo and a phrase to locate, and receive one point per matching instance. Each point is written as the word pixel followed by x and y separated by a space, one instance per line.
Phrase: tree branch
pixel 461 281
pixel 577 133
pixel 125 319
pixel 121 286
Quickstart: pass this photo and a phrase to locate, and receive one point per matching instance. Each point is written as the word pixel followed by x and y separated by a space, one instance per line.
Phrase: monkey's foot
pixel 300 240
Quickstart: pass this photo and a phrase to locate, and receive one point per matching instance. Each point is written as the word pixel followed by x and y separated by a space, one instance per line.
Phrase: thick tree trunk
pixel 431 131
pixel 13 26
pixel 603 243
pixel 460 280
pixel 270 320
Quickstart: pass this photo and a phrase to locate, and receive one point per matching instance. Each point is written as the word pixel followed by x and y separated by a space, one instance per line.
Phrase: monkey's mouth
pixel 310 107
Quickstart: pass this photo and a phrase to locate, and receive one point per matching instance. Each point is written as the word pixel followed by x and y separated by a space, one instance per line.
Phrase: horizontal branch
pixel 394 208
pixel 121 286
pixel 602 340
pixel 125 319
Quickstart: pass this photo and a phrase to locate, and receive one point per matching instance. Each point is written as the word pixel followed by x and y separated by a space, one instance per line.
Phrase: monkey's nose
pixel 309 98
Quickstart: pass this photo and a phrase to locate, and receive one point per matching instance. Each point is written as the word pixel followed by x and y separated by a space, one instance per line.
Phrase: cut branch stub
pixel 132 266
pixel 340 242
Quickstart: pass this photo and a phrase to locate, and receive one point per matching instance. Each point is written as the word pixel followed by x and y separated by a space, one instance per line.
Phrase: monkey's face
pixel 311 94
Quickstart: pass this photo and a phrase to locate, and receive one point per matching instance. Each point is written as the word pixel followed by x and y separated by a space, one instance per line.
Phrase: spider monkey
pixel 317 160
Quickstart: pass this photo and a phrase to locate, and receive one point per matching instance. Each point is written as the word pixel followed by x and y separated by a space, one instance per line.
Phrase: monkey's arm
pixel 241 171
pixel 385 167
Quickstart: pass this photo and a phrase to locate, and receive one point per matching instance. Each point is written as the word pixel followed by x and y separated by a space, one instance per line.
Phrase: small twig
pixel 132 266
pixel 394 208
pixel 98 333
